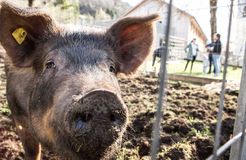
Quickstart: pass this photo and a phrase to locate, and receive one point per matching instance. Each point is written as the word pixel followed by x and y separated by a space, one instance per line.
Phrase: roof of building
pixel 162 2
pixel 140 4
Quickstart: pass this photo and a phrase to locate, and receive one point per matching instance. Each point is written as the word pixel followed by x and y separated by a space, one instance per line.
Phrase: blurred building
pixel 184 26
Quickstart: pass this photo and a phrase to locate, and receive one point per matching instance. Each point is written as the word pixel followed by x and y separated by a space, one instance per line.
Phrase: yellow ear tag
pixel 19 35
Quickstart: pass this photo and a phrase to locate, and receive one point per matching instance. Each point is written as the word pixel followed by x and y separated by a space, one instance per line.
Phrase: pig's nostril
pixel 80 124
pixel 86 117
pixel 81 120
pixel 114 119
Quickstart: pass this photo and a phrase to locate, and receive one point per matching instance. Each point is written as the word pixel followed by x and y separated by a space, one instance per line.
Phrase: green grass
pixel 177 67
pixel 4 109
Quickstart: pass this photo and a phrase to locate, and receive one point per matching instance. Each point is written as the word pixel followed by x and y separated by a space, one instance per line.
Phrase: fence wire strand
pixel 228 144
pixel 162 86
pixel 222 93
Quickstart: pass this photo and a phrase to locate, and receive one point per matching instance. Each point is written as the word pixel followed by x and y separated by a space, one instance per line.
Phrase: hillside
pixel 80 11
pixel 113 8
pixel 86 11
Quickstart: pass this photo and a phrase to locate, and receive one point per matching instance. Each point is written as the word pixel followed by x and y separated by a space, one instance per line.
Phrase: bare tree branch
pixel 30 3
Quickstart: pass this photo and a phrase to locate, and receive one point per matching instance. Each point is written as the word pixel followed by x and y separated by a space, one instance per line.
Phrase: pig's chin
pixel 88 150
pixel 98 145
pixel 102 152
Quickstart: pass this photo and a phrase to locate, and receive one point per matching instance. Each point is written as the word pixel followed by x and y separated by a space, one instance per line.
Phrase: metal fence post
pixel 240 115
pixel 222 93
pixel 162 78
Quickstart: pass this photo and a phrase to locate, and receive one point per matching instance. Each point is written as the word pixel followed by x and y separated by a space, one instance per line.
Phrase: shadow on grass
pixel 191 73
pixel 198 74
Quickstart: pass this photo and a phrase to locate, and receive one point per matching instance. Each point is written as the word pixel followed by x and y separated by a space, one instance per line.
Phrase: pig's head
pixel 75 107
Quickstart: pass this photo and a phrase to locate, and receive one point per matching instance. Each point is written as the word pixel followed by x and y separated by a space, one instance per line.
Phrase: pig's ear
pixel 132 39
pixel 21 30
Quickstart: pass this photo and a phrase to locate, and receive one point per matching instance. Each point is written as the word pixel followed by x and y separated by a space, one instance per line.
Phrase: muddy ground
pixel 187 127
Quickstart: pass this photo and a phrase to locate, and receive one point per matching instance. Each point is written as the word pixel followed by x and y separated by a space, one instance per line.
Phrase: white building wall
pixel 179 23
pixel 180 27
pixel 238 35
pixel 192 33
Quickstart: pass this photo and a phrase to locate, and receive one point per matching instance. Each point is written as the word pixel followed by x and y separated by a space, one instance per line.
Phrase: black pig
pixel 61 86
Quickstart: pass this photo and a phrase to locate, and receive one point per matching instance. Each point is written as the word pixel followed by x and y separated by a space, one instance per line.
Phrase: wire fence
pixel 238 137
pixel 162 78
pixel 217 150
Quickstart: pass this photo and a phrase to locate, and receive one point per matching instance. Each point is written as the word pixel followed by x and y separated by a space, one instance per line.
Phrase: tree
pixel 30 3
pixel 213 19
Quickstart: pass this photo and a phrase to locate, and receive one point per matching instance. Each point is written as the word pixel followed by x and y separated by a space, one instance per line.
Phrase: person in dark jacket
pixel 158 53
pixel 210 57
pixel 191 49
pixel 216 54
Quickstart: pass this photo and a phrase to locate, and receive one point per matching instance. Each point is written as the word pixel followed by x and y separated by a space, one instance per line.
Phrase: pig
pixel 62 86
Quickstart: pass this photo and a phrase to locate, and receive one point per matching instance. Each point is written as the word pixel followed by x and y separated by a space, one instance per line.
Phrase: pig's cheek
pixel 47 125
pixel 42 125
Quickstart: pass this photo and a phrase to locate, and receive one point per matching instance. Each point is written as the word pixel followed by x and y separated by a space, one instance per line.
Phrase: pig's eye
pixel 50 64
pixel 112 69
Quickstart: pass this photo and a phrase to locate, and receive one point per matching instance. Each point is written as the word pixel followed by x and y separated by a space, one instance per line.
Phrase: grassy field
pixel 177 67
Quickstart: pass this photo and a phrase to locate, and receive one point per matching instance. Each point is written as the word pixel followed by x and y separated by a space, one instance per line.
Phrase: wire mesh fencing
pixel 237 142
pixel 238 137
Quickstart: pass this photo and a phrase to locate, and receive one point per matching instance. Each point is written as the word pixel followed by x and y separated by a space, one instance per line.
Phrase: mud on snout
pixel 94 125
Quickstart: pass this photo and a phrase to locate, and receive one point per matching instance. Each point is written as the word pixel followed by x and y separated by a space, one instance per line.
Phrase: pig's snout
pixel 98 113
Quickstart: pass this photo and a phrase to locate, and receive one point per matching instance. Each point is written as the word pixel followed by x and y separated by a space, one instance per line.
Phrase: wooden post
pixel 234 154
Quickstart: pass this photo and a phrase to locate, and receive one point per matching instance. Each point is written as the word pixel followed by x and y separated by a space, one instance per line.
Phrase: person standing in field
pixel 191 49
pixel 210 57
pixel 216 54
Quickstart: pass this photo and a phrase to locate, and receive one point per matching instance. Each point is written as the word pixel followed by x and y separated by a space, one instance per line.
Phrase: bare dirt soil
pixel 188 124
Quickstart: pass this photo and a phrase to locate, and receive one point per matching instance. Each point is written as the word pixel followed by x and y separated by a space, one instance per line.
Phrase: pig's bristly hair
pixel 75 46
